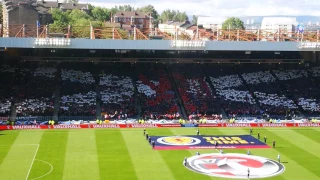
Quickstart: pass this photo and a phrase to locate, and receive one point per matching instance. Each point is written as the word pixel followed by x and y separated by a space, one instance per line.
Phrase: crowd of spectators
pixel 311 102
pixel 77 76
pixel 284 75
pixel 35 88
pixel 237 91
pixel 315 71
pixel 78 95
pixel 235 98
pixel 195 91
pixel 274 104
pixel 302 87
pixel 6 89
pixel 117 95
pixel 117 91
pixel 271 97
pixel 155 91
pixel 258 77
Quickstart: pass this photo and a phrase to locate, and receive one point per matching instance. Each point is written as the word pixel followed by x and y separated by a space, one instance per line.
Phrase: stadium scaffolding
pixel 90 32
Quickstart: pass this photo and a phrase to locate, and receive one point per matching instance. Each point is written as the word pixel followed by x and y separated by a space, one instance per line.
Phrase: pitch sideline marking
pixel 51 169
pixel 20 145
pixel 34 157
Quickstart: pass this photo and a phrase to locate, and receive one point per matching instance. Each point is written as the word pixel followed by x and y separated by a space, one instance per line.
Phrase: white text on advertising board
pixel 190 44
pixel 309 45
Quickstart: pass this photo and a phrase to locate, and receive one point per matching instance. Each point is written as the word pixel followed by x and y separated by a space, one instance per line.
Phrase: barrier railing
pixel 134 33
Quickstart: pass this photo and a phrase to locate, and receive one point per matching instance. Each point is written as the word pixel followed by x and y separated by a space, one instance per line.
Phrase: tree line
pixel 97 16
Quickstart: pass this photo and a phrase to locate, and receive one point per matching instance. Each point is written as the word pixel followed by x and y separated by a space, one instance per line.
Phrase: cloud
pixel 225 8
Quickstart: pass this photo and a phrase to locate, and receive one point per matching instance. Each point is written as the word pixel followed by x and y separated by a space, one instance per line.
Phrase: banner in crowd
pixel 108 126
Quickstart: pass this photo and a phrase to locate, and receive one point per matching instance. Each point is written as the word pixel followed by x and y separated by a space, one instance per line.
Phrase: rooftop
pixel 44 6
pixel 130 14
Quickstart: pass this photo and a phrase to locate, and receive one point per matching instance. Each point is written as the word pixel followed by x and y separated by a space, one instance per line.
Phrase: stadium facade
pixel 103 50
pixel 104 53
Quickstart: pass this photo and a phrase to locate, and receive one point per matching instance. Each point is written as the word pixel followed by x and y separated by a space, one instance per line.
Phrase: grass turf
pixel 125 154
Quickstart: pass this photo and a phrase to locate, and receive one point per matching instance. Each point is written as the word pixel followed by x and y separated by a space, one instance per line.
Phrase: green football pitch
pixel 119 154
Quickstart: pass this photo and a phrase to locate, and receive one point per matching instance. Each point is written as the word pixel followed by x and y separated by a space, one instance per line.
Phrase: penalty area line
pixel 34 157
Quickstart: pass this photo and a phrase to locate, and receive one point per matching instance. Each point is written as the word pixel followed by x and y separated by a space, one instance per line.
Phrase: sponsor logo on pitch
pixel 179 141
pixel 234 166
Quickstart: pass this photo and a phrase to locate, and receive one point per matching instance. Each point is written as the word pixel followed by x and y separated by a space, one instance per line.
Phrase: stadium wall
pixel 116 126
pixel 164 45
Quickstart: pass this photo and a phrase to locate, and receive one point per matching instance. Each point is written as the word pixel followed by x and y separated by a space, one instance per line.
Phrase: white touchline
pixel 34 157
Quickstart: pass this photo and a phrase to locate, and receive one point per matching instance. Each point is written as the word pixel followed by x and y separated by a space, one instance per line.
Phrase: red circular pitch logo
pixel 234 166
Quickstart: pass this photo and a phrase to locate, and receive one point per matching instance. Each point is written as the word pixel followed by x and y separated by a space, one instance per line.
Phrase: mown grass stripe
pixel 81 159
pixel 301 140
pixel 299 163
pixel 113 154
pixel 7 138
pixel 20 158
pixel 309 133
pixel 147 162
pixel 51 152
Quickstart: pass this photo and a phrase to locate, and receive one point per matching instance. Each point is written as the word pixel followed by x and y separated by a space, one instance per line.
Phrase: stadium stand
pixel 39 92
pixel 33 92
pixel 158 91
pixel 234 97
pixel 266 89
pixel 311 102
pixel 117 91
pixel 195 91
pixel 78 95
pixel 302 87
pixel 155 91
pixel 7 73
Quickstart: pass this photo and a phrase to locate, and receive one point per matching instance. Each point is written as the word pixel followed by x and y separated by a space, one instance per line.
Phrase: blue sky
pixel 225 7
